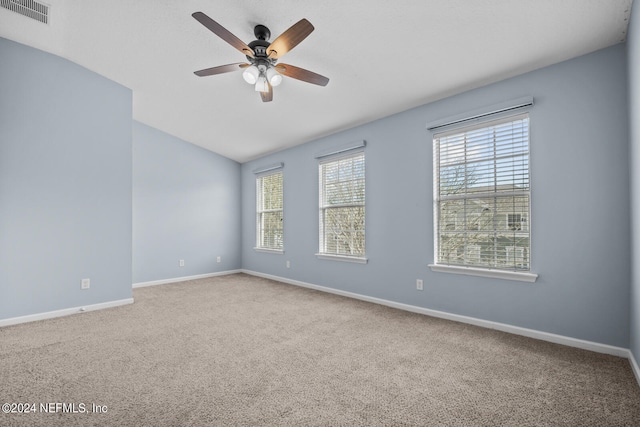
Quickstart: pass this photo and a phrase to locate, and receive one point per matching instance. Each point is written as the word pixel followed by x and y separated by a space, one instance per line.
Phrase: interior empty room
pixel 338 213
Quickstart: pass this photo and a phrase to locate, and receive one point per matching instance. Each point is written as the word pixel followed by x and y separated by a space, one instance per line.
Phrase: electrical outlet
pixel 85 284
pixel 288 264
pixel 181 263
pixel 218 259
pixel 419 284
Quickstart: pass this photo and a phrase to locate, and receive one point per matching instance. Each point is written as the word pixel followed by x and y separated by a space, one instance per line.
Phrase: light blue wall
pixel 580 214
pixel 65 184
pixel 633 52
pixel 66 200
pixel 186 205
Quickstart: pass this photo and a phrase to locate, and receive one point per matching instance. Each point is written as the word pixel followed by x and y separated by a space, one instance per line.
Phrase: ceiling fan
pixel 262 70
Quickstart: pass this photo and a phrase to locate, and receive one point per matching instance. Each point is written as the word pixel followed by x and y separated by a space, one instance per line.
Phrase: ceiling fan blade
pixel 301 74
pixel 223 33
pixel 289 39
pixel 267 96
pixel 221 69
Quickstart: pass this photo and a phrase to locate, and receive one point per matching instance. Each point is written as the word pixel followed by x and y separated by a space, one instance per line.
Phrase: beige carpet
pixel 241 350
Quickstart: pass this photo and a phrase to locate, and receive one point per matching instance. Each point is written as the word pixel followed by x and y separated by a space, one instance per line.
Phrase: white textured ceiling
pixel 382 57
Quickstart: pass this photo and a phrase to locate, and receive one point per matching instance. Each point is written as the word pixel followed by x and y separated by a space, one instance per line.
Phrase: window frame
pixel 323 207
pixel 260 211
pixel 521 274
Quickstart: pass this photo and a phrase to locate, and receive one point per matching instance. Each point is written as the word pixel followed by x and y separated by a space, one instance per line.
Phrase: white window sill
pixel 522 276
pixel 356 259
pixel 269 251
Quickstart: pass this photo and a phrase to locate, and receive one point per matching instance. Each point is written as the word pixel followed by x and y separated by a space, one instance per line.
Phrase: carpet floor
pixel 245 351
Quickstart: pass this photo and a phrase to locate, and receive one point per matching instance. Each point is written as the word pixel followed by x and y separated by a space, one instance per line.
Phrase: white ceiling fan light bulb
pixel 262 84
pixel 251 74
pixel 274 77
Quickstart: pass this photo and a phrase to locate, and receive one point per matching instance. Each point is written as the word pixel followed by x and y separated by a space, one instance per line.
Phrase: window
pixel 269 211
pixel 482 195
pixel 516 221
pixel 342 207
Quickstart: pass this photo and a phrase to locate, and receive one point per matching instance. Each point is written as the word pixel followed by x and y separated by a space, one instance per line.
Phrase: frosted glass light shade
pixel 262 85
pixel 274 77
pixel 251 74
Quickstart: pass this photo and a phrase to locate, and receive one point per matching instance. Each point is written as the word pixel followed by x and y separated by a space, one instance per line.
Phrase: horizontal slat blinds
pixel 482 195
pixel 341 149
pixel 268 168
pixel 342 207
pixel 269 203
pixel 495 111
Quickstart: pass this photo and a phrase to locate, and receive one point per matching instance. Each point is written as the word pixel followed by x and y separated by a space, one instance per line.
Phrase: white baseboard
pixel 64 312
pixel 184 279
pixel 531 333
pixel 634 366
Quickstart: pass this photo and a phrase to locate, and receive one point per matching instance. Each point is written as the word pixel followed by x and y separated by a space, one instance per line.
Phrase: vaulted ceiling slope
pixel 382 57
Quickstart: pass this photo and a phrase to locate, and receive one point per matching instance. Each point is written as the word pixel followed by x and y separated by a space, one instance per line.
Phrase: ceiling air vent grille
pixel 29 8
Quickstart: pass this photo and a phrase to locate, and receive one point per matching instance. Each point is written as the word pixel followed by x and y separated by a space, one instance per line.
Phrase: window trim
pixel 521 276
pixel 269 251
pixel 465 125
pixel 344 258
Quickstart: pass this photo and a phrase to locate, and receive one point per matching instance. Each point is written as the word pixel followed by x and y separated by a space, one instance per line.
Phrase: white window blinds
pixel 482 195
pixel 269 225
pixel 342 205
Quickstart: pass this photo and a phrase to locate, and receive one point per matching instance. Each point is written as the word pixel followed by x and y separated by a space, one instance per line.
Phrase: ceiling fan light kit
pixel 262 70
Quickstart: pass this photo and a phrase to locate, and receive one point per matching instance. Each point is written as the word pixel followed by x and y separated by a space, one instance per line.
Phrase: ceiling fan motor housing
pixel 260 46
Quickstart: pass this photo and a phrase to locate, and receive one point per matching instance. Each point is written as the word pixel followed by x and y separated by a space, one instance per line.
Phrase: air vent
pixel 29 8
